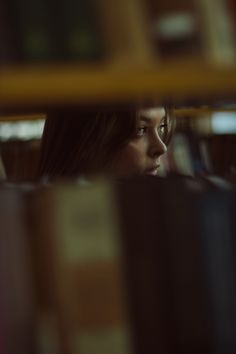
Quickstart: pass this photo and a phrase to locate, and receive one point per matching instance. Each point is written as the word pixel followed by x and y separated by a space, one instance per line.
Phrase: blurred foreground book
pixel 17 297
pixel 79 250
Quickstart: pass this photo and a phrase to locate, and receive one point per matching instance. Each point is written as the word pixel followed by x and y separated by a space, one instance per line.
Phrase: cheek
pixel 130 160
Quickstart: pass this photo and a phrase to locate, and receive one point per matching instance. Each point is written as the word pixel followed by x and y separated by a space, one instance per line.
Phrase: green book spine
pixel 34 23
pixel 8 38
pixel 81 37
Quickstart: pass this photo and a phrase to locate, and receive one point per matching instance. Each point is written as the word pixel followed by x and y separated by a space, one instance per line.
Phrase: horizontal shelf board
pixel 79 85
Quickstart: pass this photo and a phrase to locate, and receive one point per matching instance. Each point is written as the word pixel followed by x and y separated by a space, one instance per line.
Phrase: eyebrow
pixel 147 120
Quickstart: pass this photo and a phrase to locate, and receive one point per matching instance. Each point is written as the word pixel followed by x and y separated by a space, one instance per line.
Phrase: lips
pixel 152 170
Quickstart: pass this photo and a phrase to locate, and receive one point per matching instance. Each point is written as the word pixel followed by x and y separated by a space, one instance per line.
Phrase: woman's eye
pixel 163 130
pixel 141 131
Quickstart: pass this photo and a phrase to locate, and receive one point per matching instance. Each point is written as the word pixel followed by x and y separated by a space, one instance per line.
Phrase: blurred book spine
pixel 79 28
pixel 83 269
pixel 219 33
pixel 217 226
pixel 2 170
pixel 126 32
pixel 17 296
pixel 33 25
pixel 175 29
pixel 8 38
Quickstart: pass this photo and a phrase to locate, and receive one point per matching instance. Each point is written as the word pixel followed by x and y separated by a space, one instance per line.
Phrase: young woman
pixel 115 143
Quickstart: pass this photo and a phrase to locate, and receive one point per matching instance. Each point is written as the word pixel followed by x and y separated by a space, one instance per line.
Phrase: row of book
pixel 20 159
pixel 197 149
pixel 143 265
pixel 42 31
pixel 135 31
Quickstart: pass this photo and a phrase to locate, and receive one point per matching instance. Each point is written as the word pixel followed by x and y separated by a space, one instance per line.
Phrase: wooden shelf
pixel 179 112
pixel 86 85
pixel 22 117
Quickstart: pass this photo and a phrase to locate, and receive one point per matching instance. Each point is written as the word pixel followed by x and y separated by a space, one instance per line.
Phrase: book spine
pixel 217 220
pixel 84 270
pixel 143 215
pixel 34 23
pixel 219 34
pixel 126 31
pixel 79 27
pixel 2 170
pixel 175 29
pixel 17 297
pixel 8 38
pixel 184 253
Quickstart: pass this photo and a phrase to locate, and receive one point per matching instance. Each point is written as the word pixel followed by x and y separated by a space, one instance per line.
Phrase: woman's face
pixel 142 155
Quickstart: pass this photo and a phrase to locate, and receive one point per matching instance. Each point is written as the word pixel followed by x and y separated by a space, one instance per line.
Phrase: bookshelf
pixel 171 282
pixel 138 50
pixel 22 117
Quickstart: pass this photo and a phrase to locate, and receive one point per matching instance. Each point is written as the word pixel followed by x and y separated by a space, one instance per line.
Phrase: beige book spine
pixel 126 29
pixel 83 266
pixel 218 31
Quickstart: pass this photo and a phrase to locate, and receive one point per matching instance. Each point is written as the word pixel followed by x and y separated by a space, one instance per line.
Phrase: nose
pixel 157 147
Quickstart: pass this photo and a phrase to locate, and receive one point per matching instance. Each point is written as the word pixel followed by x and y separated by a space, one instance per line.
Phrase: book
pixel 33 23
pixel 146 264
pixel 175 29
pixel 189 298
pixel 216 212
pixel 219 34
pixel 8 36
pixel 2 170
pixel 17 297
pixel 126 32
pixel 20 159
pixel 78 31
pixel 82 289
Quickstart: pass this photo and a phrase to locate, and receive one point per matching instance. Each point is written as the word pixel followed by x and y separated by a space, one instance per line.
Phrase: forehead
pixel 152 114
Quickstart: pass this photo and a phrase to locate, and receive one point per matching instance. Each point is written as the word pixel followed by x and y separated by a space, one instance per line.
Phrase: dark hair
pixel 85 141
